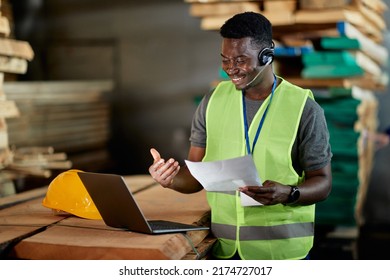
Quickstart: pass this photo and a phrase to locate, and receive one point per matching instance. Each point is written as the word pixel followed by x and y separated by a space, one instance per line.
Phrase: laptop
pixel 119 209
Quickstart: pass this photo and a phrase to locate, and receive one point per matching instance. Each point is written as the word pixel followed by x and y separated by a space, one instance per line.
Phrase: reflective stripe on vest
pixel 260 232
pixel 263 232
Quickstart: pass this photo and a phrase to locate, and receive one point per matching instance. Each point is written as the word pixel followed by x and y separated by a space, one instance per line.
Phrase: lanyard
pixel 248 148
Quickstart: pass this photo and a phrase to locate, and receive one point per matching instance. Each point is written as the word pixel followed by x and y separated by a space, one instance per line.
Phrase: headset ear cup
pixel 266 56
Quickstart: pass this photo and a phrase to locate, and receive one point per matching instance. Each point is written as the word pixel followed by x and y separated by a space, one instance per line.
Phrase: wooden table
pixel 30 231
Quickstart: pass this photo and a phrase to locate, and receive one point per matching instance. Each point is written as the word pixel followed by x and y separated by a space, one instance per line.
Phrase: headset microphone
pixel 261 70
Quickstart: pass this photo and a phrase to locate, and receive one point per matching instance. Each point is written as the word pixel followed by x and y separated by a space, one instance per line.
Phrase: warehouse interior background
pixel 159 62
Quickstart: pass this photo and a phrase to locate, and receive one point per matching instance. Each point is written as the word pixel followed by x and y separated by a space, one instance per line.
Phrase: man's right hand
pixel 163 171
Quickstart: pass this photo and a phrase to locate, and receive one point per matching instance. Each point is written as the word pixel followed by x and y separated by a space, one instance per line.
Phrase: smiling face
pixel 239 61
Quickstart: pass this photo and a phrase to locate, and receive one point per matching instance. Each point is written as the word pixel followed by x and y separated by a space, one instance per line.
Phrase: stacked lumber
pixel 305 26
pixel 346 63
pixel 36 161
pixel 335 48
pixel 72 117
pixel 214 13
pixel 51 126
pixel 14 58
pixel 23 158
pixel 351 117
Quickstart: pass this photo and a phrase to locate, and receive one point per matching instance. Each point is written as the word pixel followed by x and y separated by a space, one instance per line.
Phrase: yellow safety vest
pixel 258 232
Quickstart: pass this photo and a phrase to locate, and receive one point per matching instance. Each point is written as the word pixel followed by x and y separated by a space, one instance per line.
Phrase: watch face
pixel 294 195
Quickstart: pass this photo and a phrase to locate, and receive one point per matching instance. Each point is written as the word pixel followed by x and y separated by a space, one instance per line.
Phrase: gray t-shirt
pixel 311 150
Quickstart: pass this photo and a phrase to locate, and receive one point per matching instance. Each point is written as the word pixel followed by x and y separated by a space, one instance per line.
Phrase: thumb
pixel 156 155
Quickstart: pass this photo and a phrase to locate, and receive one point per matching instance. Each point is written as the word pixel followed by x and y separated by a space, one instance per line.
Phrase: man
pixel 284 130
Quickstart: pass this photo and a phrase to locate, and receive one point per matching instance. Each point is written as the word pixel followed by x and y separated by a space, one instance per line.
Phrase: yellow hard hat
pixel 67 193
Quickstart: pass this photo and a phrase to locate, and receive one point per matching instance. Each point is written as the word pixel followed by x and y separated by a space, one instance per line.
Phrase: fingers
pixel 155 154
pixel 164 176
pixel 264 195
pixel 163 171
pixel 254 189
pixel 166 169
pixel 168 175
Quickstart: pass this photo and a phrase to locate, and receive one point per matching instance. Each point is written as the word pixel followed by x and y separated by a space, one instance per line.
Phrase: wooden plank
pixel 350 114
pixel 346 31
pixel 45 164
pixel 13 65
pixel 202 251
pixel 34 161
pixel 51 88
pixel 60 127
pixel 37 164
pixel 38 156
pixel 42 98
pixel 22 197
pixel 36 171
pixel 369 65
pixel 367 82
pixel 280 5
pixel 336 15
pixel 65 129
pixel 67 112
pixel 375 50
pixel 68 115
pixel 60 123
pixel 329 16
pixel 4 144
pixel 4 148
pixel 16 48
pixel 75 238
pixel 92 240
pixel 277 19
pixel 8 109
pixel 222 8
pixel 314 31
pixel 371 16
pixel 368 126
pixel 376 5
pixel 4 26
pixel 90 141
pixel 216 1
pixel 35 150
pixel 322 4
pixel 22 215
pixel 22 220
pixel 76 133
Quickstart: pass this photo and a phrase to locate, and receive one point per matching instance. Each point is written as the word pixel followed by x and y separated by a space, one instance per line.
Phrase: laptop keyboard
pixel 161 225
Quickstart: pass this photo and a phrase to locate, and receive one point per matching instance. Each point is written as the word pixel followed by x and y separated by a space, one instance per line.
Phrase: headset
pixel 266 56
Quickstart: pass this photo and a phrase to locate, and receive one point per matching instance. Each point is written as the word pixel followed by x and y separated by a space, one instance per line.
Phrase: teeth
pixel 237 79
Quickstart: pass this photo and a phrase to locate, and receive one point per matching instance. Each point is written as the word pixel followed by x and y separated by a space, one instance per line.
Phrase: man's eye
pixel 240 61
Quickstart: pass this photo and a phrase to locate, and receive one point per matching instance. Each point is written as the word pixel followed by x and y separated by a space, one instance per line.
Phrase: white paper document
pixel 227 175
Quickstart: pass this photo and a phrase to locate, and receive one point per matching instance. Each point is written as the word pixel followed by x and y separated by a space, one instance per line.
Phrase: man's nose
pixel 231 68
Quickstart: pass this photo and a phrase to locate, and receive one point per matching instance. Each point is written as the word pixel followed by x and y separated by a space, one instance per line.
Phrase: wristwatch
pixel 293 196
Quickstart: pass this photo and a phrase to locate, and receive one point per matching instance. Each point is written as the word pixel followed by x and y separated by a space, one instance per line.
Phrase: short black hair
pixel 249 24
